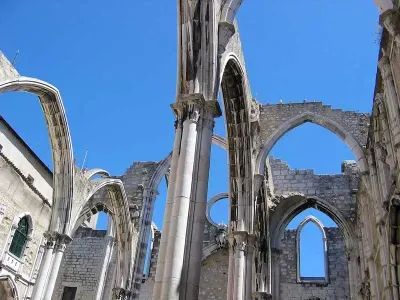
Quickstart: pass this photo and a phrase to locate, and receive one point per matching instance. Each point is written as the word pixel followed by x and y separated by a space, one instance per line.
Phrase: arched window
pixel 20 237
pixel 320 261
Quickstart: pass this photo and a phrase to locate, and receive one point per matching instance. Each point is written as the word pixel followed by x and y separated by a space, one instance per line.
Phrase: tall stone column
pixel 276 272
pixel 168 210
pixel 231 268
pixel 189 107
pixel 109 243
pixel 44 269
pixel 59 249
pixel 149 196
pixel 198 204
pixel 391 100
pixel 249 266
pixel 238 242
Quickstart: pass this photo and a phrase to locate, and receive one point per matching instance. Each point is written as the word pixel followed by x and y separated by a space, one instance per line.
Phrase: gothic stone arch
pixel 278 119
pixel 286 210
pixel 108 194
pixel 61 145
pixel 237 118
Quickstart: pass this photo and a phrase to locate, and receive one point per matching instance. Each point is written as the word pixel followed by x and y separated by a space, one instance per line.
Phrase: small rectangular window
pixel 69 293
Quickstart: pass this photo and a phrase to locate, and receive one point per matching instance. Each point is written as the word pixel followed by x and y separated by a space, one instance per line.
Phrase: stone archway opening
pixel 285 245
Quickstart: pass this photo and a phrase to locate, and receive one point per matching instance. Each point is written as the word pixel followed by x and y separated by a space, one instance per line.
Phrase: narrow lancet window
pixel 311 251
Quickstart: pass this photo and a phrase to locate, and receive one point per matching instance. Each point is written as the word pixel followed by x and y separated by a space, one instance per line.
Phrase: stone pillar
pixel 109 241
pixel 238 241
pixel 59 249
pixel 198 204
pixel 149 196
pixel 231 268
pixel 44 269
pixel 168 210
pixel 276 272
pixel 249 266
pixel 189 107
pixel 391 100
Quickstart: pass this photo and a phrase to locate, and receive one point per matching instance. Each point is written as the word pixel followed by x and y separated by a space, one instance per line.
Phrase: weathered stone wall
pixel 338 190
pixel 82 264
pixel 17 198
pixel 338 286
pixel 214 276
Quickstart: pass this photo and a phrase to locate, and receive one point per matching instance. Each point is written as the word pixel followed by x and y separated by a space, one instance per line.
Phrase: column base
pixel 262 296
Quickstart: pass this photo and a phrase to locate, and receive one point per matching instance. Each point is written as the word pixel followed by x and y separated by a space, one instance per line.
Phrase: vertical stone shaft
pixel 249 267
pixel 167 215
pixel 195 233
pixel 44 270
pixel 59 250
pixel 239 272
pixel 239 242
pixel 149 197
pixel 190 109
pixel 231 270
pixel 109 241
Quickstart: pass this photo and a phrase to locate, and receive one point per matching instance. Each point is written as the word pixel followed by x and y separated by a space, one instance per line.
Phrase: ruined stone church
pixel 50 248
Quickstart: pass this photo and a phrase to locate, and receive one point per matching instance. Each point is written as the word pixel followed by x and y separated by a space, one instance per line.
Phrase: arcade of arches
pixel 50 248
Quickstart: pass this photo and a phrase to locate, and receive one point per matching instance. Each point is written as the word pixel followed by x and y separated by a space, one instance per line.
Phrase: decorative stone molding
pixel 189 107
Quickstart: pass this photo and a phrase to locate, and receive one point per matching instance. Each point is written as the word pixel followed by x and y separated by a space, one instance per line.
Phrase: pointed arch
pixel 118 209
pixel 296 203
pixel 319 225
pixel 237 120
pixel 317 119
pixel 61 145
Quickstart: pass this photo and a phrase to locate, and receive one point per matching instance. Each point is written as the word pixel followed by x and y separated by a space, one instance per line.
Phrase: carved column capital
pixel 384 66
pixel 189 107
pixel 242 241
pixel 59 241
pixel 211 110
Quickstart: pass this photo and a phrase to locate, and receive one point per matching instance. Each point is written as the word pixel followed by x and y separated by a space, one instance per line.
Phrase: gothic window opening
pixel 20 238
pixel 312 252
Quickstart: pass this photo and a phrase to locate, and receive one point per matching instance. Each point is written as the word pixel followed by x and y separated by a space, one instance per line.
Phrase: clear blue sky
pixel 115 65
